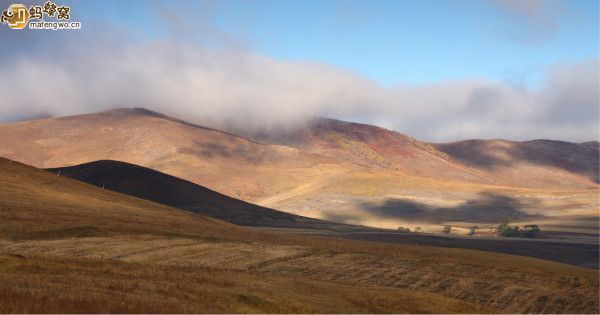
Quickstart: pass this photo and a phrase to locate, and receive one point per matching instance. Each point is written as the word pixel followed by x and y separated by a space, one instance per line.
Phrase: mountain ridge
pixel 332 170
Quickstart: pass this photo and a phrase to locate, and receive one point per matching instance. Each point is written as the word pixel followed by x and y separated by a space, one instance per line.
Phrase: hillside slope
pixel 532 164
pixel 369 146
pixel 510 160
pixel 215 159
pixel 168 190
pixel 332 170
pixel 66 246
pixel 165 189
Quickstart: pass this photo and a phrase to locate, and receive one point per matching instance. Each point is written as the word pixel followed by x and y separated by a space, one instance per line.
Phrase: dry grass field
pixel 71 247
pixel 384 200
pixel 137 181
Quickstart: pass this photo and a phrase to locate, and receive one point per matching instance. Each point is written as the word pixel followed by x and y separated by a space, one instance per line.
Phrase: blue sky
pixel 396 41
pixel 439 70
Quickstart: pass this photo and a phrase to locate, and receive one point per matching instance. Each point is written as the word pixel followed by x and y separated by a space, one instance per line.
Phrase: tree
pixel 447 229
pixel 531 230
pixel 403 229
pixel 472 230
pixel 418 229
pixel 504 229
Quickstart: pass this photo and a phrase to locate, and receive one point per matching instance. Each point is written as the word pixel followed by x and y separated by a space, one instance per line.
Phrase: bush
pixel 403 229
pixel 472 230
pixel 447 229
pixel 531 230
pixel 504 229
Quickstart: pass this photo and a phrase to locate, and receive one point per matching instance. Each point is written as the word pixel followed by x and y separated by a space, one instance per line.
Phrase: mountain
pixel 543 164
pixel 336 171
pixel 224 162
pixel 161 188
pixel 370 147
pixel 151 139
pixel 67 246
pixel 510 160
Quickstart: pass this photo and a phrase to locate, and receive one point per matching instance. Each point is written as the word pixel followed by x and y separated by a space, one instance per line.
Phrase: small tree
pixel 447 229
pixel 531 230
pixel 403 229
pixel 418 229
pixel 472 230
pixel 504 229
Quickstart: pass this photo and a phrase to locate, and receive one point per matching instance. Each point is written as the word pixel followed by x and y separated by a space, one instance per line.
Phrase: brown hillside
pixel 533 164
pixel 333 170
pixel 226 163
pixel 161 188
pixel 370 146
pixel 508 159
pixel 66 246
pixel 168 190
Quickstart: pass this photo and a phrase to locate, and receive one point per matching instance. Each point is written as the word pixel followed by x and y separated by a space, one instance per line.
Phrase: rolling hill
pixel 66 246
pixel 508 159
pixel 161 188
pixel 337 171
pixel 218 160
pixel 536 164
pixel 370 147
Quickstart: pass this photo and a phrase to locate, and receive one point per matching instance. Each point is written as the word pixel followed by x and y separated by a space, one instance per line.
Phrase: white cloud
pixel 234 86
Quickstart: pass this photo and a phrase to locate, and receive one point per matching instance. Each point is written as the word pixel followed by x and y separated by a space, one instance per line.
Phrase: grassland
pixel 71 247
pixel 158 187
pixel 339 171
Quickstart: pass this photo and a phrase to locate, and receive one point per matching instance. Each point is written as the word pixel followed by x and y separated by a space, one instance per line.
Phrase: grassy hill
pixel 334 170
pixel 536 164
pixel 67 246
pixel 171 191
pixel 509 158
pixel 165 189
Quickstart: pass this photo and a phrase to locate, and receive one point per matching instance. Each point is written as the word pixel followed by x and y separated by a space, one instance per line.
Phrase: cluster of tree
pixel 506 230
pixel 407 230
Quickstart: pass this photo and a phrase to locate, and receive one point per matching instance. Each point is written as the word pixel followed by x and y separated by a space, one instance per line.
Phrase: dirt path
pixel 301 190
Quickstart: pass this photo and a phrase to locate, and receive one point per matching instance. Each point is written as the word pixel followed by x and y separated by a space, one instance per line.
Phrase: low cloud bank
pixel 254 91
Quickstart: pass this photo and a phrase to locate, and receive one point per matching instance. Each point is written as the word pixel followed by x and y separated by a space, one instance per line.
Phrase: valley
pixel 92 245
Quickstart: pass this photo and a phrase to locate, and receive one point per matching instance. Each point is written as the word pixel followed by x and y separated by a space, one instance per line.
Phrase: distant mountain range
pixel 330 169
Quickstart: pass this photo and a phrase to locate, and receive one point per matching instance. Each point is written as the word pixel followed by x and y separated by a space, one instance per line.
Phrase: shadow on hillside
pixel 487 208
pixel 228 150
pixel 581 159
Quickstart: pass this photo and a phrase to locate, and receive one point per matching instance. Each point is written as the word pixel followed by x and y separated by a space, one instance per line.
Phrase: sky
pixel 438 70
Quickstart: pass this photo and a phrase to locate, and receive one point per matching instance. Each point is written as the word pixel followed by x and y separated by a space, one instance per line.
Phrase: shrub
pixel 531 230
pixel 403 229
pixel 504 229
pixel 472 230
pixel 447 229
